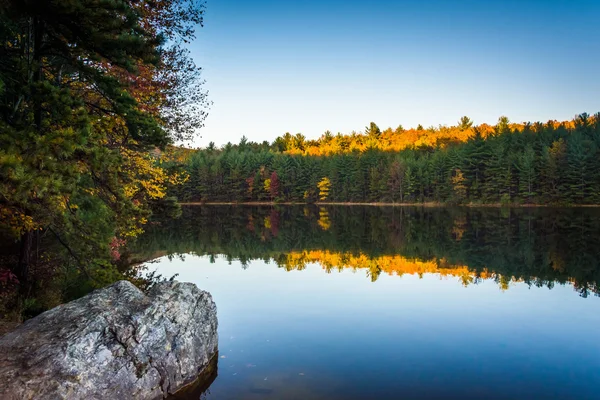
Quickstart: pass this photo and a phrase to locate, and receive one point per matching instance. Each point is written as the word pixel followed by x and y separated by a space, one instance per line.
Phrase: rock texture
pixel 115 343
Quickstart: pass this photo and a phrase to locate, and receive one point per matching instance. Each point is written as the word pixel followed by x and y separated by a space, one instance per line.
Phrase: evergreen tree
pixel 527 174
pixel 534 163
pixel 577 173
pixel 82 103
pixel 373 131
pixel 476 153
pixel 465 123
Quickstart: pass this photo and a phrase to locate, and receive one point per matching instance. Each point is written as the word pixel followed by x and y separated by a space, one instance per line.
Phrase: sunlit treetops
pixel 551 163
pixel 399 138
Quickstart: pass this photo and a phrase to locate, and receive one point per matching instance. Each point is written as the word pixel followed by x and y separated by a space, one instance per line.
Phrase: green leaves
pixel 542 163
pixel 82 103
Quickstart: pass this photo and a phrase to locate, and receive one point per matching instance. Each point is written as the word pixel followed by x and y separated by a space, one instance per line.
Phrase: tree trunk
pixel 25 256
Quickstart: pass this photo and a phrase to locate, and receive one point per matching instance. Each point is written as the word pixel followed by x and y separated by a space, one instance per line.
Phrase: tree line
pixel 552 163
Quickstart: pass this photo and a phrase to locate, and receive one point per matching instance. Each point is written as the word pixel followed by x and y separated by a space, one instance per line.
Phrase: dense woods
pixel 551 163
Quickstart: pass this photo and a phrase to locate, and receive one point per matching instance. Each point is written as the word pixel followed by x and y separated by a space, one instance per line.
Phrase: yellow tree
pixel 458 184
pixel 324 185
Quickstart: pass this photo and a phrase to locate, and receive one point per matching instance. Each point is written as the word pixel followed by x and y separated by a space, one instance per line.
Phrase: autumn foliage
pixel 509 163
pixel 88 92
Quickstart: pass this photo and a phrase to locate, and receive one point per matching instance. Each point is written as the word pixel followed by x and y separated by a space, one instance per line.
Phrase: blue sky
pixel 310 66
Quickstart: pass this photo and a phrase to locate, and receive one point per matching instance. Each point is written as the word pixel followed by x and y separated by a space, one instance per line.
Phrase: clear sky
pixel 308 66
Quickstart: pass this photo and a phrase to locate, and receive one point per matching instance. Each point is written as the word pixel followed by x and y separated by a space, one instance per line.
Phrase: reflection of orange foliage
pixel 391 265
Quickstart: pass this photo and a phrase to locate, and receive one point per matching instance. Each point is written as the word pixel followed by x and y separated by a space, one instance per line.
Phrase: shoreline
pixel 382 204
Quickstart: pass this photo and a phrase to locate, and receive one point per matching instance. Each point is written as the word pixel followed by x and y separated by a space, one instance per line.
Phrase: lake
pixel 393 302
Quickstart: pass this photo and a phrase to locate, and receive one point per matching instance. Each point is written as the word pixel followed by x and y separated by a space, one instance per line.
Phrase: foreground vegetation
pixel 87 90
pixel 551 163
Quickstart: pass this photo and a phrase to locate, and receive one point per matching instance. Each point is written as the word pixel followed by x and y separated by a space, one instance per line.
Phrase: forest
pixel 541 163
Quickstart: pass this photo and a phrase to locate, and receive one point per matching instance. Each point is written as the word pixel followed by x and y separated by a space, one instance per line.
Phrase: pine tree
pixel 476 153
pixel 396 180
pixel 373 131
pixel 465 123
pixel 499 172
pixel 554 163
pixel 577 172
pixel 527 174
pixel 80 108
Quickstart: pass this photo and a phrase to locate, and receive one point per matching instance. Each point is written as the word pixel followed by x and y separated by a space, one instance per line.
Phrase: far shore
pixel 381 204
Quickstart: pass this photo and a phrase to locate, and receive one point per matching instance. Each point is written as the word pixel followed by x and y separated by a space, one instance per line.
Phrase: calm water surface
pixel 382 303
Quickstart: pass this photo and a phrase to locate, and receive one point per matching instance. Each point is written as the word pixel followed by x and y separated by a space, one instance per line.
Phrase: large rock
pixel 115 343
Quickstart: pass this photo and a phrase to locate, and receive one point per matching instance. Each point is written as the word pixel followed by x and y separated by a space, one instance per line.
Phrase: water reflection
pixel 200 389
pixel 390 303
pixel 539 247
pixel 311 335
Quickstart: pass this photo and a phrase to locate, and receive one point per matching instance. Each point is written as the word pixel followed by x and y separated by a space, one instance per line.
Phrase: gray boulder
pixel 115 343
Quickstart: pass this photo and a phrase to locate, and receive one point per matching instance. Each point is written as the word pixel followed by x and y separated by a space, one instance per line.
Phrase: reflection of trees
pixel 375 266
pixel 540 247
pixel 324 221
